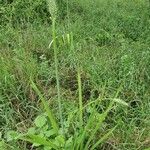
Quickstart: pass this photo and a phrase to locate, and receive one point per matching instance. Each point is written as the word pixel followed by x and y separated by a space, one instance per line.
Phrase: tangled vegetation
pixel 75 75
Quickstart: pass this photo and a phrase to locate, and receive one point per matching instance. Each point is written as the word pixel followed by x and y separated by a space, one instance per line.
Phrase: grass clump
pixel 66 95
pixel 47 132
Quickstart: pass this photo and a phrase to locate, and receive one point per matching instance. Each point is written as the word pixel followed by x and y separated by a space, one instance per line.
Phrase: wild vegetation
pixel 75 75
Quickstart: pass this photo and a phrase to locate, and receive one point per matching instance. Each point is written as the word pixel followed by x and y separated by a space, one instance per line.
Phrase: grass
pixel 97 63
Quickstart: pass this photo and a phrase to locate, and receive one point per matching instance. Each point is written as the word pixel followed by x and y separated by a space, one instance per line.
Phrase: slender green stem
pixel 68 13
pixel 56 72
pixel 80 106
pixel 80 99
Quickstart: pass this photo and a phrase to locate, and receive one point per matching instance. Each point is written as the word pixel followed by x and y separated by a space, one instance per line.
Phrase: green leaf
pixel 38 144
pixel 31 130
pixel 39 140
pixel 12 135
pixel 3 145
pixel 69 143
pixel 103 138
pixel 49 133
pixel 47 148
pixel 6 146
pixel 0 135
pixel 120 101
pixel 99 124
pixel 60 139
pixel 40 121
pixel 45 128
pixel 46 107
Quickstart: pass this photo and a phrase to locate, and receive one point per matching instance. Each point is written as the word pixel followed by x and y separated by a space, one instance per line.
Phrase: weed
pixel 67 91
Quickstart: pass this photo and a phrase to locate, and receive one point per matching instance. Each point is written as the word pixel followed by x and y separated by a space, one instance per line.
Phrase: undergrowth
pixel 74 75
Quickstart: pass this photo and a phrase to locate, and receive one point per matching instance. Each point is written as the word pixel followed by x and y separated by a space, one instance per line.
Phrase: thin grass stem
pixel 56 73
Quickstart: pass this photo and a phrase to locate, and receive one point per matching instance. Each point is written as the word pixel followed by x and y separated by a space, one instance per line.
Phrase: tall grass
pixel 80 99
pixel 111 41
pixel 83 135
pixel 53 11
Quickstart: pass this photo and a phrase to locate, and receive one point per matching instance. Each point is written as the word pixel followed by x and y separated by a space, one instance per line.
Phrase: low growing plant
pixel 80 129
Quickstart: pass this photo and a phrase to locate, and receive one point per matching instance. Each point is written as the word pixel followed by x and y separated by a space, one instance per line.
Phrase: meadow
pixel 75 75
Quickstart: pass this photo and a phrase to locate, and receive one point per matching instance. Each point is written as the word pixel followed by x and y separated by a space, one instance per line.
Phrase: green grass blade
pixel 46 107
pixel 83 132
pixel 91 118
pixel 103 138
pixel 119 101
pixel 57 74
pixel 101 119
pixel 80 105
pixel 39 140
